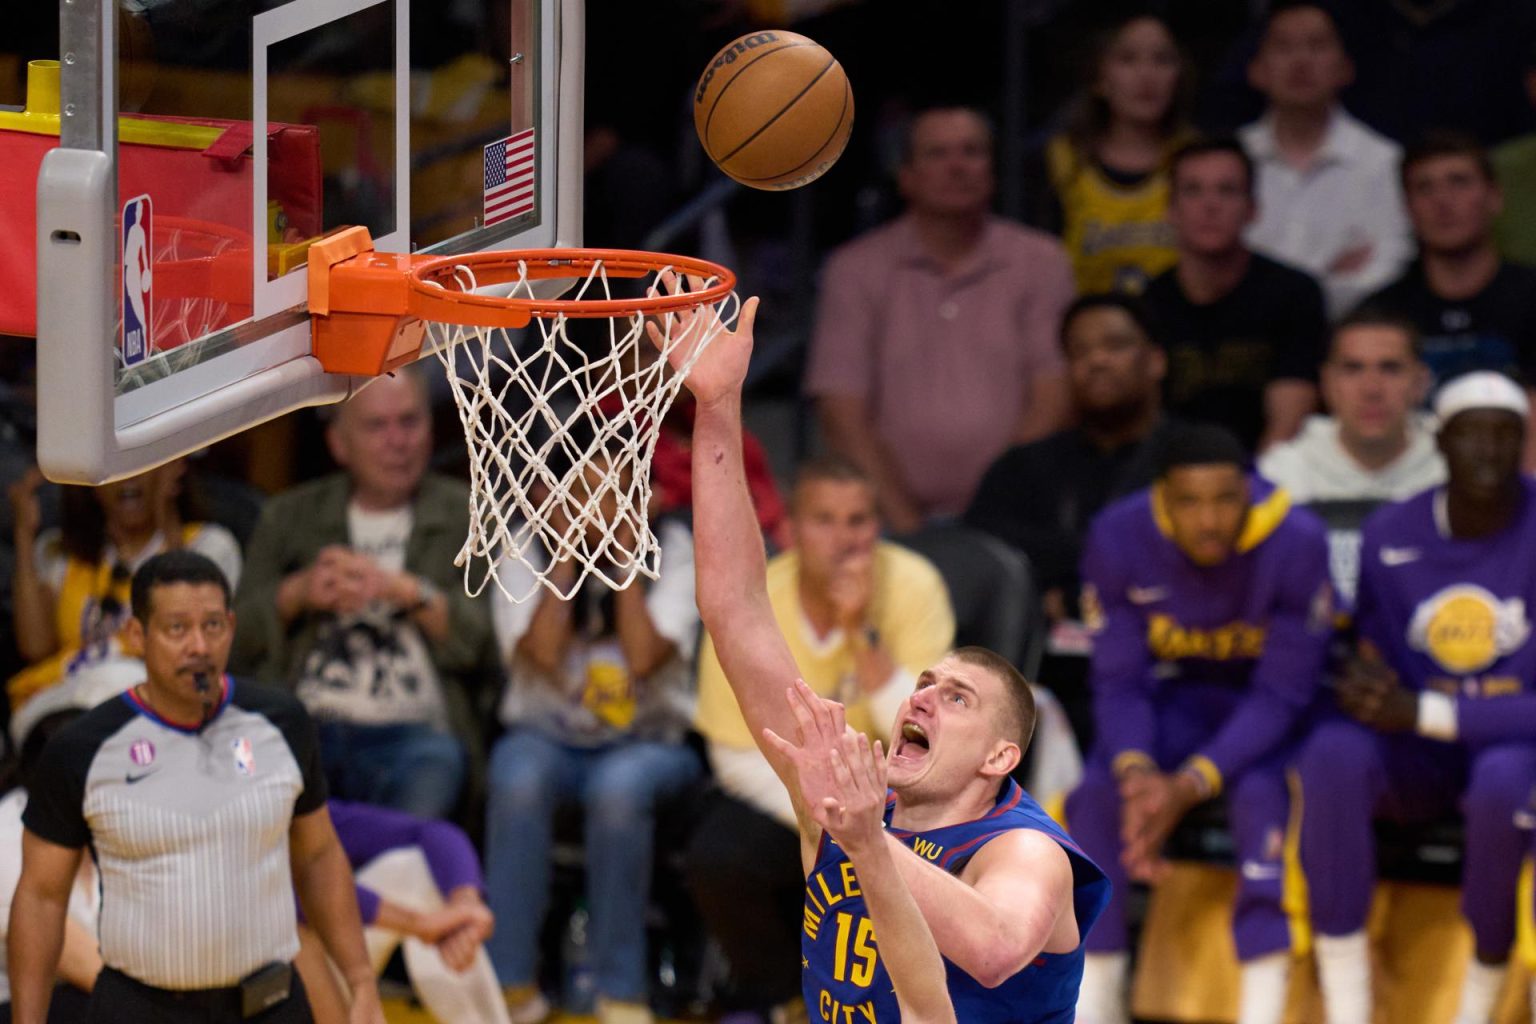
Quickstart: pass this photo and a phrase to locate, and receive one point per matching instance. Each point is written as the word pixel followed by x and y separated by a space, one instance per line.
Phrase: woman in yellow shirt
pixel 1107 170
pixel 70 587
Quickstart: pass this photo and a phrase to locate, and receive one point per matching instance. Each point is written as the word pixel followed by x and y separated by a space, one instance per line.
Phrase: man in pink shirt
pixel 935 345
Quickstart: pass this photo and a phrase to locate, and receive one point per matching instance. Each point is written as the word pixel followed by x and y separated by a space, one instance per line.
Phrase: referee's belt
pixel 229 1001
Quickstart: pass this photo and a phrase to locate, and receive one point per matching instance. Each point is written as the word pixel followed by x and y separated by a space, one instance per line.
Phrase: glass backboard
pixel 200 146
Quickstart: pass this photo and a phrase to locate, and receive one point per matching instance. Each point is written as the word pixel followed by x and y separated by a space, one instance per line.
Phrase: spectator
pixel 418 886
pixel 1446 62
pixel 1473 310
pixel 70 587
pixel 598 702
pixel 1443 717
pixel 1211 599
pixel 948 301
pixel 1040 497
pixel 1244 334
pixel 1105 180
pixel 1515 164
pixel 1329 202
pixel 351 598
pixel 1377 446
pixel 862 618
pixel 80 961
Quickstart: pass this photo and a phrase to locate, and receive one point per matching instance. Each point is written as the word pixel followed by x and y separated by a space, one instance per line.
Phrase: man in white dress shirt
pixel 1329 198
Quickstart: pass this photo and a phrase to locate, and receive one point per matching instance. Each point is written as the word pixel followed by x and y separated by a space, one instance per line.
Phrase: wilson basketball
pixel 773 110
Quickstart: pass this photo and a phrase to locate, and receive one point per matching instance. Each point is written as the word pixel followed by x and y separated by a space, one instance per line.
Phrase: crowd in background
pixel 1220 439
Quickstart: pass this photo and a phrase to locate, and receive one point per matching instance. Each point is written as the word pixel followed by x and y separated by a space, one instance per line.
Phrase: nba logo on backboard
pixel 137 254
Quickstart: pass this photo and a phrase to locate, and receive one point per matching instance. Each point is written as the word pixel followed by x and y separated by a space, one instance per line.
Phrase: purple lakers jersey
pixel 1241 643
pixel 1453 615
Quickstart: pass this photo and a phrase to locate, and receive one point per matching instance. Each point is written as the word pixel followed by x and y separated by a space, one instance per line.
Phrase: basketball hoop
pixel 560 431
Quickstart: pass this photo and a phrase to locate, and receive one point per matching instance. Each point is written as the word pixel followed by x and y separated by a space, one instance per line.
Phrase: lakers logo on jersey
pixel 1465 628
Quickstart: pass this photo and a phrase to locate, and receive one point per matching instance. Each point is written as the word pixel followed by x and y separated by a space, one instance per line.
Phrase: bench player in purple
pixel 1213 622
pixel 1441 696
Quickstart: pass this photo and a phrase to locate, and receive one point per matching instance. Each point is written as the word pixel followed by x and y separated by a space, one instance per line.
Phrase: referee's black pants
pixel 119 999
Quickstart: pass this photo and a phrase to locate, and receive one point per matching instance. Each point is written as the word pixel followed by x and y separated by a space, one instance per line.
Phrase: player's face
pixel 1301 62
pixel 1140 72
pixel 383 437
pixel 1452 205
pixel 1482 450
pixel 949 169
pixel 1110 362
pixel 1206 508
pixel 832 521
pixel 1372 381
pixel 947 732
pixel 1210 206
pixel 189 631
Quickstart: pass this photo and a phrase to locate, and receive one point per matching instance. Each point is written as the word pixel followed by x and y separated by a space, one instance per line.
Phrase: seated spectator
pixel 1377 446
pixel 597 706
pixel 418 885
pixel 351 598
pixel 70 587
pixel 1105 183
pixel 1211 599
pixel 80 960
pixel 862 617
pixel 1514 164
pixel 1473 310
pixel 1244 334
pixel 1438 703
pixel 1041 497
pixel 1327 184
pixel 946 300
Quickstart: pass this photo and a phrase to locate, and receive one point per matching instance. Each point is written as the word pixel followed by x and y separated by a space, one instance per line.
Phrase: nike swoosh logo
pixel 1146 595
pixel 1260 872
pixel 131 779
pixel 1399 556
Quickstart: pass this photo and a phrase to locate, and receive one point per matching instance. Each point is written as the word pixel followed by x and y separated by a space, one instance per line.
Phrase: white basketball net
pixel 560 438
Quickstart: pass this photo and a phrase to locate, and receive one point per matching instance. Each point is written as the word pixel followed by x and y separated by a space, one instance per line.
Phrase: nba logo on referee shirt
pixel 509 165
pixel 142 753
pixel 138 238
pixel 245 758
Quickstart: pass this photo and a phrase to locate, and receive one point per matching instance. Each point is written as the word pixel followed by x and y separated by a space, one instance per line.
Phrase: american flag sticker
pixel 509 165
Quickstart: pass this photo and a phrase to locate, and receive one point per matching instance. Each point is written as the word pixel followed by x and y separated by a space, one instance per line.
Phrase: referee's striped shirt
pixel 189 828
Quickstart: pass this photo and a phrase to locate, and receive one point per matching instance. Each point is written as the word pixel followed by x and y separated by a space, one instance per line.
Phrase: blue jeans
pixel 408 767
pixel 618 788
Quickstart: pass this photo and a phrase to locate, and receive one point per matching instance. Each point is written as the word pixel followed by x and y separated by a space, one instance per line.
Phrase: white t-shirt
pixel 374 668
pixel 84 904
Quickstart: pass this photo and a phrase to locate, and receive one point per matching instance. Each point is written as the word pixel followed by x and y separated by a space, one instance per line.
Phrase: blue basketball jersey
pixel 844 979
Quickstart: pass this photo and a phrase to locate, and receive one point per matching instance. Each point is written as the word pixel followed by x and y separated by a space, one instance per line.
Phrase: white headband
pixel 1481 389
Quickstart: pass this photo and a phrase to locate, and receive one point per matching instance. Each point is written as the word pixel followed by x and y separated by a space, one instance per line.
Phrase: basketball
pixel 773 110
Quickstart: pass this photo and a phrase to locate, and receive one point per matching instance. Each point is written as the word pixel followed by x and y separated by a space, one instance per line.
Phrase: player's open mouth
pixel 912 745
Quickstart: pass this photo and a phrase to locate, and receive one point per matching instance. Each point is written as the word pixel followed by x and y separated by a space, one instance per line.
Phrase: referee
pixel 197 795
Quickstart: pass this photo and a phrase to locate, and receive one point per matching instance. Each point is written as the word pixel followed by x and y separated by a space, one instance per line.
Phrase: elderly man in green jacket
pixel 350 597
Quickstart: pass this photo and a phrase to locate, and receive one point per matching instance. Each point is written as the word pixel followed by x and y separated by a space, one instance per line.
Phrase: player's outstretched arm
pixel 854 814
pixel 732 589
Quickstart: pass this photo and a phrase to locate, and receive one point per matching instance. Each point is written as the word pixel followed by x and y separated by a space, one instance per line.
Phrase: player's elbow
pixel 999 959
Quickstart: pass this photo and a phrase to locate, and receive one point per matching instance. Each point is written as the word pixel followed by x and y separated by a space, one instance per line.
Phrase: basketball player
pixel 1006 894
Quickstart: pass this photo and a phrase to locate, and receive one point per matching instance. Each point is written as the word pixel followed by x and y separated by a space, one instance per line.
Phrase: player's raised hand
pixel 820 724
pixel 855 814
pixel 720 370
